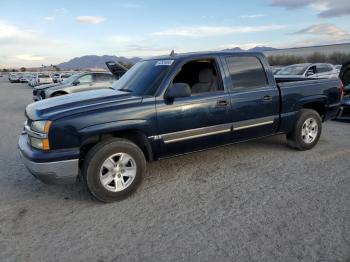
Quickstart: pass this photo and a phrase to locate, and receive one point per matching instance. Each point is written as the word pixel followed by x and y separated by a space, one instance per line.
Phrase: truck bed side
pixel 321 95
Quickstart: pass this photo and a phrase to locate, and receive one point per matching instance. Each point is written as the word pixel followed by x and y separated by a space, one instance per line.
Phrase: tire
pixel 307 130
pixel 105 162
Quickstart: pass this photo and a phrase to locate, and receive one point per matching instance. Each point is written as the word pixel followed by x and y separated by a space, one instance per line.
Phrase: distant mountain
pixel 235 49
pixel 94 61
pixel 254 49
pixel 261 49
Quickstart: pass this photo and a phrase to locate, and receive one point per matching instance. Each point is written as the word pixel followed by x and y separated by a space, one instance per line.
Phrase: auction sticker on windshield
pixel 164 63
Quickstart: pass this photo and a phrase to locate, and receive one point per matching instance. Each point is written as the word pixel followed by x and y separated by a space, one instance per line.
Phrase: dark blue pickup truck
pixel 168 106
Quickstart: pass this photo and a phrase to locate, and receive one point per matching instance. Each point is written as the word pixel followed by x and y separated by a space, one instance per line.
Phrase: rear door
pixel 254 96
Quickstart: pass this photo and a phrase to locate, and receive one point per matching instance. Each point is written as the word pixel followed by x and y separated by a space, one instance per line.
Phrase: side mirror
pixel 309 73
pixel 75 83
pixel 178 90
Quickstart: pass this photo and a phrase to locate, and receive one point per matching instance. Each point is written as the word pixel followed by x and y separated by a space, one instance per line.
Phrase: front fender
pixel 112 127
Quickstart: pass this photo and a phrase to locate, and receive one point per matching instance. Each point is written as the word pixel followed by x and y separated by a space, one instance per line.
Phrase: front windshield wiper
pixel 125 90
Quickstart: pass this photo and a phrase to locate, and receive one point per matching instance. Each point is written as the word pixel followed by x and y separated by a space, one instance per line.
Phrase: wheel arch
pixel 315 103
pixel 136 136
pixel 60 92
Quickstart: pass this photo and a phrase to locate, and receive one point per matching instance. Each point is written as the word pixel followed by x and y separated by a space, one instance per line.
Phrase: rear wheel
pixel 307 130
pixel 113 169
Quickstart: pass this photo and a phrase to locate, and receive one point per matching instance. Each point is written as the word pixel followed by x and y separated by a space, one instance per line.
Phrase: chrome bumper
pixel 60 172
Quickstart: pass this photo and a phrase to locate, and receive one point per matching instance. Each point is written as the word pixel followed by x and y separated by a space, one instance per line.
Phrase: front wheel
pixel 307 130
pixel 113 169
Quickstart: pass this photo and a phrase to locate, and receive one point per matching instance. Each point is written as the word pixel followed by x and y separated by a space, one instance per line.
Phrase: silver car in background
pixel 317 70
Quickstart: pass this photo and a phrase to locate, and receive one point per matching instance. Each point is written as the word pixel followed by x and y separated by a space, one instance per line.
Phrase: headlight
pixel 38 134
pixel 41 126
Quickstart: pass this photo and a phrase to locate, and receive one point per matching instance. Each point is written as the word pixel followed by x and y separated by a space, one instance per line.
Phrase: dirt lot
pixel 257 201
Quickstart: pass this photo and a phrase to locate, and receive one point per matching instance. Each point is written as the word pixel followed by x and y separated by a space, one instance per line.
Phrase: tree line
pixel 336 58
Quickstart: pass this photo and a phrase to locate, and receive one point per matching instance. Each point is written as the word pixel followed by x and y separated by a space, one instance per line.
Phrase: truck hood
pixel 61 106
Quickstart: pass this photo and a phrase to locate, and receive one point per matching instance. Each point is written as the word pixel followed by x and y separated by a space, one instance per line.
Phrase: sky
pixel 33 33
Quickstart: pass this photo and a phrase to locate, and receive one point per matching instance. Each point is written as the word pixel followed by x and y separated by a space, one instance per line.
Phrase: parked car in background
pixel 75 83
pixel 167 106
pixel 55 77
pixel 338 67
pixel 318 70
pixel 14 77
pixel 63 77
pixel 34 80
pixel 276 69
pixel 44 78
pixel 25 78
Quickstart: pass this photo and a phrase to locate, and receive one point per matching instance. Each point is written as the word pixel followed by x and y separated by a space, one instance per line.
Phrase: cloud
pixel 325 30
pixel 10 32
pixel 208 31
pixel 29 57
pixel 49 18
pixel 92 20
pixel 252 16
pixel 325 8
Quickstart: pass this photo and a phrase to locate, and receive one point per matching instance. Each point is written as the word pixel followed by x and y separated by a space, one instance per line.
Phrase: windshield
pixel 144 77
pixel 293 70
pixel 69 79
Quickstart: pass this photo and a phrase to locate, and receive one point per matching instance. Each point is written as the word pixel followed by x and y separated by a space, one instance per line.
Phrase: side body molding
pixel 213 130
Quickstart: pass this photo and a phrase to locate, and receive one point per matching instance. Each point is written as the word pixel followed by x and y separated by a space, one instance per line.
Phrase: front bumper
pixel 52 171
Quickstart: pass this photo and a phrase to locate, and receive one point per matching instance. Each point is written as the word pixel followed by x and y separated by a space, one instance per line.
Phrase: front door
pixel 199 121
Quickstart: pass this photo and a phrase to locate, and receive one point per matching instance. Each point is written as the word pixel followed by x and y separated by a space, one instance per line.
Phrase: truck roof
pixel 201 54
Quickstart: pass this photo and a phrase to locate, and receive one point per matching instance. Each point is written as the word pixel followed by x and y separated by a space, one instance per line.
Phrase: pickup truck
pixel 167 106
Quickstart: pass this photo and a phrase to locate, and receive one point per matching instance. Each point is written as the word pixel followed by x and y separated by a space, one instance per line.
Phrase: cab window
pixel 201 75
pixel 246 72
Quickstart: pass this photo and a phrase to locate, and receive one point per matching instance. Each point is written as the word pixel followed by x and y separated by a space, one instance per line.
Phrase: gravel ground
pixel 255 201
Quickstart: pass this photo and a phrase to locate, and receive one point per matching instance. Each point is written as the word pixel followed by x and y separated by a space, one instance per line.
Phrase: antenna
pixel 172 53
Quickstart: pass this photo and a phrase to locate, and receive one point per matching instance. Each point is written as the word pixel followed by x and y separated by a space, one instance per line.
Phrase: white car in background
pixel 14 77
pixel 56 77
pixel 43 78
pixel 317 70
pixel 338 67
pixel 34 80
pixel 25 78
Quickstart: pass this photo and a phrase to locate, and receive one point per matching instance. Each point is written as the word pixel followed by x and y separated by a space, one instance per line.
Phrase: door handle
pixel 222 103
pixel 267 98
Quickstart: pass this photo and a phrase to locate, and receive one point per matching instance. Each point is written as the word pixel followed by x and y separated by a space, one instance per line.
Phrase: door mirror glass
pixel 178 90
pixel 76 82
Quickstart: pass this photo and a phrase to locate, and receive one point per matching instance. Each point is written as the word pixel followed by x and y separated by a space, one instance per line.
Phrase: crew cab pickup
pixel 167 106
